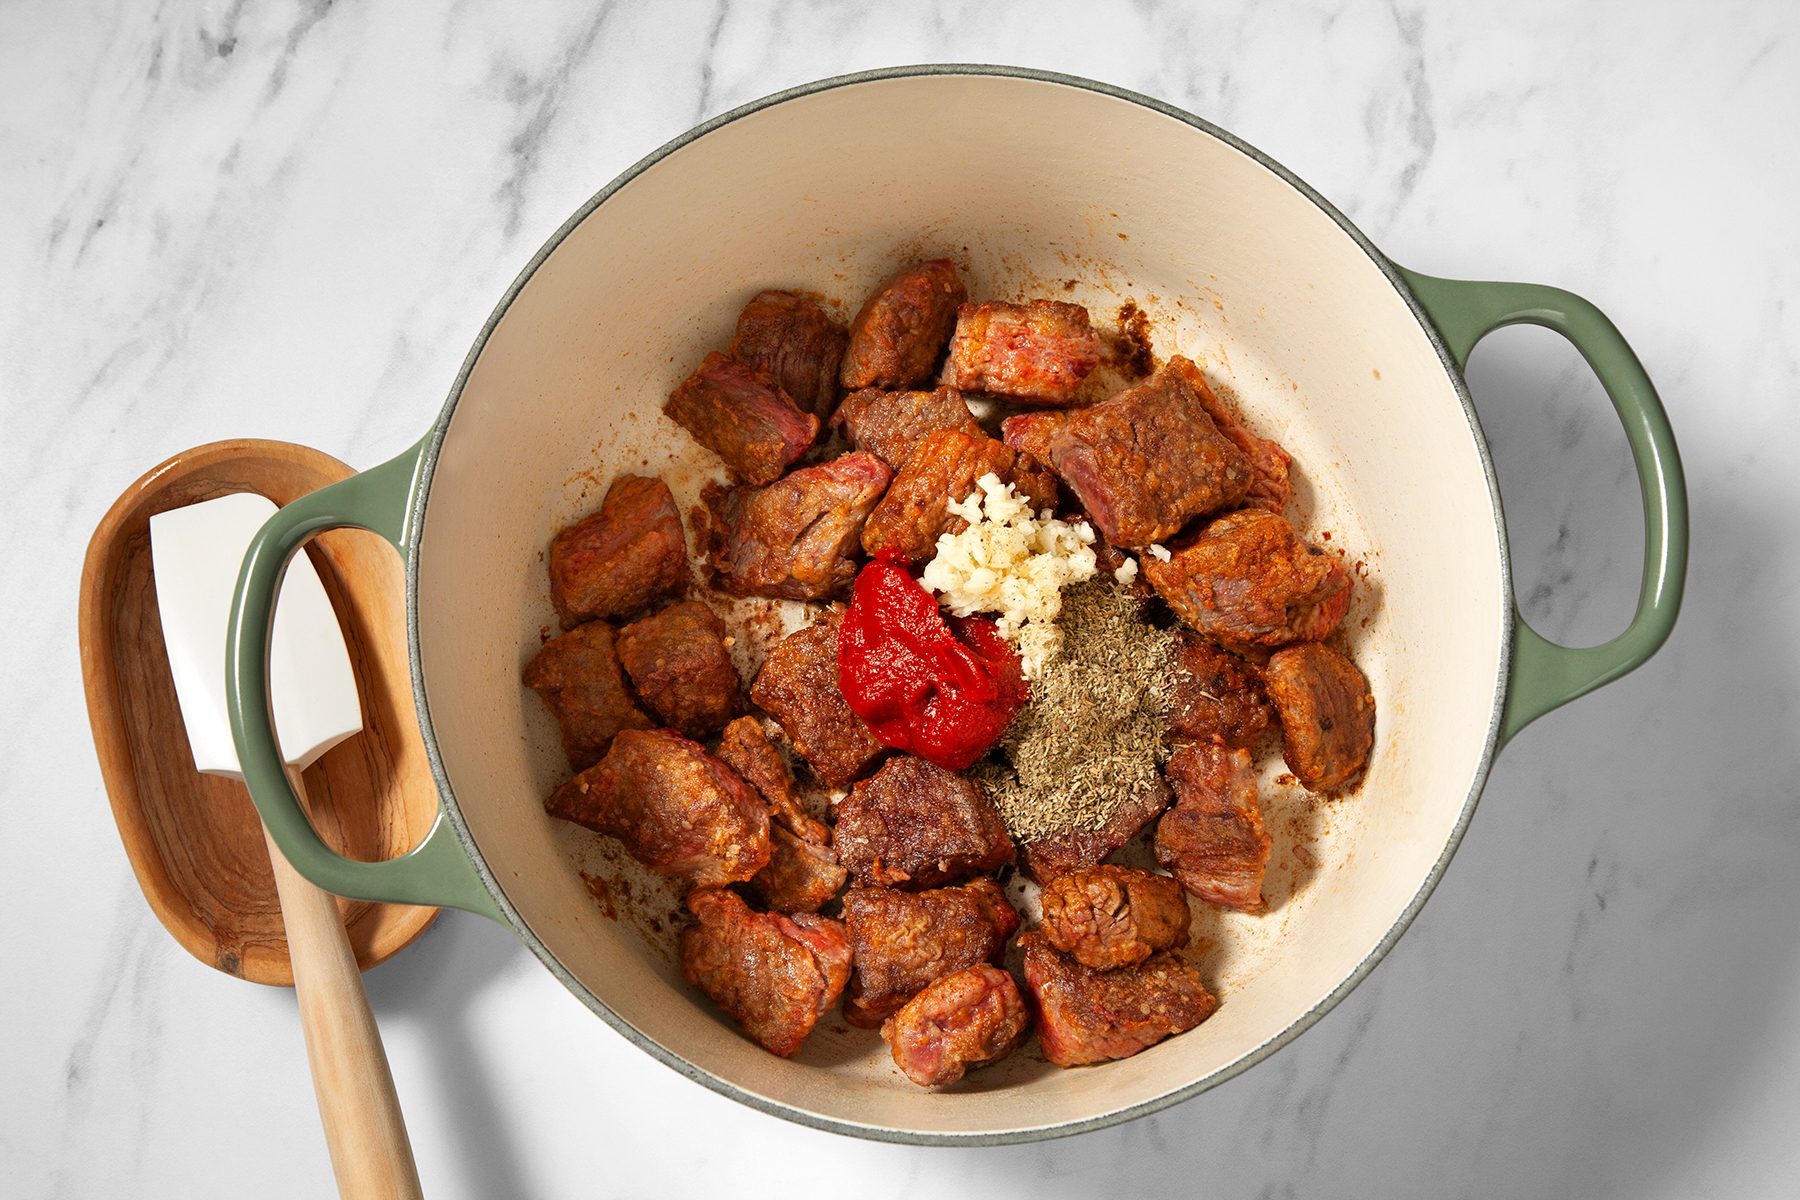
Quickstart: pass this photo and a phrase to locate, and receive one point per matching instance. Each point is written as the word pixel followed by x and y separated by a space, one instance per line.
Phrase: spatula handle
pixel 364 1131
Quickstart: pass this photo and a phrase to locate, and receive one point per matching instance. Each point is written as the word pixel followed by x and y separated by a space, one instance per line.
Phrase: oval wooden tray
pixel 195 841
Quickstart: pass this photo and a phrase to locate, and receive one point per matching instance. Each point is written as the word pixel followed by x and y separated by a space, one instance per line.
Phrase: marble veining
pixel 289 219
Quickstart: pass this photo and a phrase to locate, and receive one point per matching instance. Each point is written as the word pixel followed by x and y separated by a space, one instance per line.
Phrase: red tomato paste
pixel 943 690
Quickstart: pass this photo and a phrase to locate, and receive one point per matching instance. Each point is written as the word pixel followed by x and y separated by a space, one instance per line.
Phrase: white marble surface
pixel 288 220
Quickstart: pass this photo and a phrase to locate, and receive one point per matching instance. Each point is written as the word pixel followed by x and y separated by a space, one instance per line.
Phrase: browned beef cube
pixel 1088 1016
pixel 943 469
pixel 801 877
pixel 578 675
pixel 963 1021
pixel 803 873
pixel 1248 579
pixel 1113 916
pixel 742 415
pixel 746 749
pixel 1217 696
pixel 1327 714
pixel 1049 857
pixel 1027 433
pixel 896 338
pixel 1148 460
pixel 625 557
pixel 672 806
pixel 795 539
pixel 793 339
pixel 890 425
pixel 774 975
pixel 798 686
pixel 1269 486
pixel 904 940
pixel 1039 351
pixel 914 824
pixel 1030 432
pixel 1213 840
pixel 681 667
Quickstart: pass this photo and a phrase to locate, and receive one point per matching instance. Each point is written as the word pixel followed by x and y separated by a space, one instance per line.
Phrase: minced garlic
pixel 1013 563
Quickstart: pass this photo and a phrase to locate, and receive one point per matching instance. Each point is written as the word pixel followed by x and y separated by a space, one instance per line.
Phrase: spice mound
pixel 1092 738
pixel 1012 562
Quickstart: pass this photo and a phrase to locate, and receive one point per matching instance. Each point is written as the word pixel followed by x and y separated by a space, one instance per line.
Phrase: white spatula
pixel 195 553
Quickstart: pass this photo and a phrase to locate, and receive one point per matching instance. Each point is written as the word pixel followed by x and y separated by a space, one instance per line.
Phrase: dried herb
pixel 1092 737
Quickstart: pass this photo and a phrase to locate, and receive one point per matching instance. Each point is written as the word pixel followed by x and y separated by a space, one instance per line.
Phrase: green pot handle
pixel 437 871
pixel 1544 674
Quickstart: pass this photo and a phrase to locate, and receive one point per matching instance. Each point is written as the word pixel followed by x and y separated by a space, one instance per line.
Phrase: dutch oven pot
pixel 1354 363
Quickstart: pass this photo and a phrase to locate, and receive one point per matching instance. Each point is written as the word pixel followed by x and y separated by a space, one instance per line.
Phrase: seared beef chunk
pixel 896 339
pixel 1046 858
pixel 1248 579
pixel 801 877
pixel 1217 696
pixel 913 824
pixel 1030 432
pixel 798 686
pixel 678 661
pixel 794 540
pixel 747 750
pixel 890 425
pixel 1149 459
pixel 1039 351
pixel 773 975
pixel 742 415
pixel 793 339
pixel 1213 840
pixel 578 675
pixel 803 874
pixel 1269 487
pixel 1327 714
pixel 1113 916
pixel 1088 1016
pixel 963 1021
pixel 904 940
pixel 943 469
pixel 627 556
pixel 673 806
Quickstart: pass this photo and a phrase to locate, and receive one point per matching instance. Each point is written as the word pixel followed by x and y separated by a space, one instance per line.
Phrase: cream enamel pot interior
pixel 1353 364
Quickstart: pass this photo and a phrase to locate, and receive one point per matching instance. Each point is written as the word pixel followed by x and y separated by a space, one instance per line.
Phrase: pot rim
pixel 421 489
